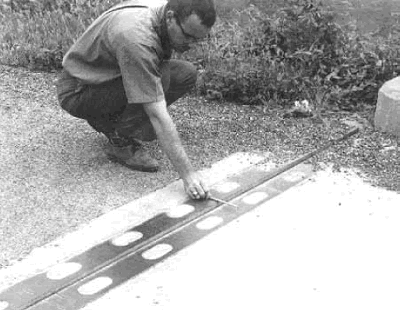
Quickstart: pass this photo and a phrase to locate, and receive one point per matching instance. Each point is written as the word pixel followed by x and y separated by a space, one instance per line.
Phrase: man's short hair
pixel 205 9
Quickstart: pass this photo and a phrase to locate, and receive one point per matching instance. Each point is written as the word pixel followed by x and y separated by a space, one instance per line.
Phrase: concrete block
pixel 387 114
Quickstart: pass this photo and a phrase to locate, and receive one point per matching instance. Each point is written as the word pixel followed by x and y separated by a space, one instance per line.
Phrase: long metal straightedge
pixel 84 278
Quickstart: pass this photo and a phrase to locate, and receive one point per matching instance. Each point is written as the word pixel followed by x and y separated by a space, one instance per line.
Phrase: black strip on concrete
pixel 123 263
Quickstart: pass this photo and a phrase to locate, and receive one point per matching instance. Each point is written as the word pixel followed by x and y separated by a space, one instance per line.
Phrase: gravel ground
pixel 55 177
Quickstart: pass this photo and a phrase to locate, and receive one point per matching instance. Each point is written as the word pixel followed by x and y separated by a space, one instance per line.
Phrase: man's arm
pixel 170 142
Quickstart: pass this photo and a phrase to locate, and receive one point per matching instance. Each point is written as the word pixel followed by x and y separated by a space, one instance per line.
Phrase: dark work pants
pixel 105 105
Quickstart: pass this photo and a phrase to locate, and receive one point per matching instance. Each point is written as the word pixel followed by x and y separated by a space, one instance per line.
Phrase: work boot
pixel 131 155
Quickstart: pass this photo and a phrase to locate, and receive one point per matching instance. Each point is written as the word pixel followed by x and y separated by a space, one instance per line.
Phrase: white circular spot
pixel 63 270
pixel 254 198
pixel 157 251
pixel 294 176
pixel 210 222
pixel 127 238
pixel 95 286
pixel 179 211
pixel 3 305
pixel 227 187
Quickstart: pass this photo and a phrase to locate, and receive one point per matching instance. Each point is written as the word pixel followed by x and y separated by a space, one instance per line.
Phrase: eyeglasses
pixel 188 36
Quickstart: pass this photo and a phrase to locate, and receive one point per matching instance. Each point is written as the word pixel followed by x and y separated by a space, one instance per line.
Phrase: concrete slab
pixel 328 243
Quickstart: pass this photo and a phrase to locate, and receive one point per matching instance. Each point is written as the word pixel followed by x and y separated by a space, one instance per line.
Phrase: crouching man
pixel 120 78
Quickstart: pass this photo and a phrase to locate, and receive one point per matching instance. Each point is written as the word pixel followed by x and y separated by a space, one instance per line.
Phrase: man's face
pixel 183 34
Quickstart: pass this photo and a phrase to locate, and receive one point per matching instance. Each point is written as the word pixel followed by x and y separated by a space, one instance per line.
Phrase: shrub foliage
pixel 297 52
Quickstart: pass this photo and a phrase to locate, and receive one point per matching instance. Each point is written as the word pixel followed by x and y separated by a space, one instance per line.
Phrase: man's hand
pixel 170 142
pixel 195 186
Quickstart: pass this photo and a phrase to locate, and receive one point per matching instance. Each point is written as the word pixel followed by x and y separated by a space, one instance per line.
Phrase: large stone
pixel 387 114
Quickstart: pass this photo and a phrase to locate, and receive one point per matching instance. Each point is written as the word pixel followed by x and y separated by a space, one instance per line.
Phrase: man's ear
pixel 170 14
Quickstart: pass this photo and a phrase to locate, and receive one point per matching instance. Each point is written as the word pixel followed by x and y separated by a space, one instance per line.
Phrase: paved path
pixel 328 243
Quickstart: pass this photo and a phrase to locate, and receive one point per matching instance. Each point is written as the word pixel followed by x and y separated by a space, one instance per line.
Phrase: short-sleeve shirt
pixel 128 41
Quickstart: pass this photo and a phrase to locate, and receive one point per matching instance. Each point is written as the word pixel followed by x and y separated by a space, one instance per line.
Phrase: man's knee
pixel 183 74
pixel 192 74
pixel 67 93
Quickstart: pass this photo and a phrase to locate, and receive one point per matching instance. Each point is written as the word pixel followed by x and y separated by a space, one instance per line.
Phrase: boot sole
pixel 132 167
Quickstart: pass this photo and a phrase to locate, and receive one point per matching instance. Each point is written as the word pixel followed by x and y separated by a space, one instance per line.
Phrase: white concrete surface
pixel 329 243
pixel 387 114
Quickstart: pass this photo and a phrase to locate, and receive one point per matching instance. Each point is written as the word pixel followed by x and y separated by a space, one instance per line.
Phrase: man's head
pixel 189 21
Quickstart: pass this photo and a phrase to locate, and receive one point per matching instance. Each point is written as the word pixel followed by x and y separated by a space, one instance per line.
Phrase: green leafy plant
pixel 298 52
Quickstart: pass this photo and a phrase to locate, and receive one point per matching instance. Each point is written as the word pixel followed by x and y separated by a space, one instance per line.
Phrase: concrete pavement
pixel 330 243
pixel 327 243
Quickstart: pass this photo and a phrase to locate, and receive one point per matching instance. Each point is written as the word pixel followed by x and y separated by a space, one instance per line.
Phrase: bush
pixel 299 52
